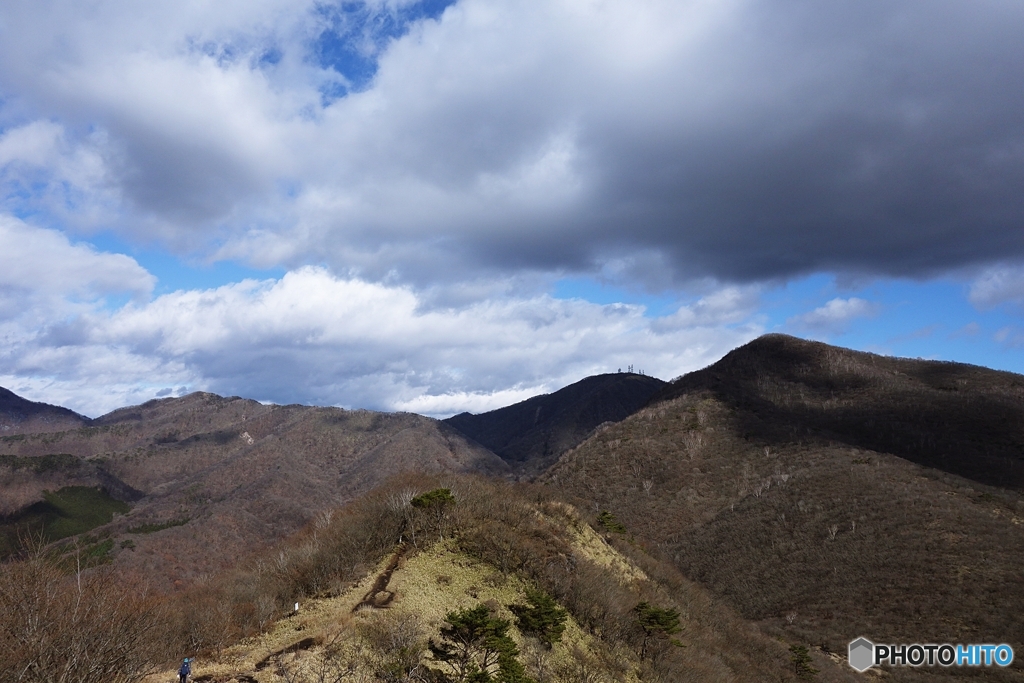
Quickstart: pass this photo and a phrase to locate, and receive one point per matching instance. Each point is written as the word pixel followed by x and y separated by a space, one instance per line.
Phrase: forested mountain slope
pixel 21 416
pixel 755 478
pixel 963 419
pixel 530 435
pixel 212 478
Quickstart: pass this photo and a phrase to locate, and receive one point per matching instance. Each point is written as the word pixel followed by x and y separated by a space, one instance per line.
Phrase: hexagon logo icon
pixel 862 654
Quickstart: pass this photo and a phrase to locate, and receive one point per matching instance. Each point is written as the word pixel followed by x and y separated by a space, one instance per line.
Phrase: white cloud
pixel 30 144
pixel 998 285
pixel 479 402
pixel 835 316
pixel 315 338
pixel 1009 337
pixel 59 178
pixel 725 306
pixel 37 261
pixel 49 288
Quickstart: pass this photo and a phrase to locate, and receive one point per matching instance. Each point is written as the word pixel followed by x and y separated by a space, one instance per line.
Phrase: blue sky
pixel 931 319
pixel 915 319
pixel 450 205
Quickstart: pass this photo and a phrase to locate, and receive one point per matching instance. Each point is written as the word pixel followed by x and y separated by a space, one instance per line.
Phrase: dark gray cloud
pixel 781 138
pixel 876 137
pixel 743 141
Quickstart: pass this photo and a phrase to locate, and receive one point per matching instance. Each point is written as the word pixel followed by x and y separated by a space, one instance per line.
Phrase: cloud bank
pixel 311 337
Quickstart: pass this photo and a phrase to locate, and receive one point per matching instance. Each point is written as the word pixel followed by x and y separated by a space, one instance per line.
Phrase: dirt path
pixel 379 597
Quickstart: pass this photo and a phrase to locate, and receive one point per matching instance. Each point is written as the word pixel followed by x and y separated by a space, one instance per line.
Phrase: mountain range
pixel 816 492
pixel 225 473
pixel 20 416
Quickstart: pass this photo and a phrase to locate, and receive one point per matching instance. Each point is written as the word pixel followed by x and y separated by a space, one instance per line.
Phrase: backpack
pixel 186 669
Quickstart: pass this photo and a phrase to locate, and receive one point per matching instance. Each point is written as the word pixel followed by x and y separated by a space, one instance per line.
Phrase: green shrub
pixel 150 528
pixel 433 499
pixel 542 618
pixel 608 521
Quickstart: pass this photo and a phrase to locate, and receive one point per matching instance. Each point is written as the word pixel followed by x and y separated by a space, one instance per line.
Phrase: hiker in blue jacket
pixel 184 671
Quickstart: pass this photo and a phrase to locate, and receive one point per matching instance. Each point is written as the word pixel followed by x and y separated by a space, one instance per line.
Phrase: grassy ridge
pixel 487 543
pixel 518 535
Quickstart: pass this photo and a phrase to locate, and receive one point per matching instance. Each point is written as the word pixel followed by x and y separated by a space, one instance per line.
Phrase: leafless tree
pixel 582 667
pixel 694 442
pixel 73 629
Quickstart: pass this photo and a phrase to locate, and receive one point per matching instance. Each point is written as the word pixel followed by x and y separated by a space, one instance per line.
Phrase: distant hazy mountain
pixel 21 416
pixel 827 493
pixel 530 435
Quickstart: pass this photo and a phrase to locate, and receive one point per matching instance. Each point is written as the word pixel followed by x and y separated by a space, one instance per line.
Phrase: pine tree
pixel 656 622
pixel 802 662
pixel 542 618
pixel 476 648
pixel 608 521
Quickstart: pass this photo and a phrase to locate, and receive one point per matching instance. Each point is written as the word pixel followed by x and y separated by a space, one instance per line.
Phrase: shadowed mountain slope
pixel 757 478
pixel 963 419
pixel 218 477
pixel 530 435
pixel 21 416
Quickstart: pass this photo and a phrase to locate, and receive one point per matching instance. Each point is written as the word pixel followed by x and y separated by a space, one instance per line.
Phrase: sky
pixel 447 205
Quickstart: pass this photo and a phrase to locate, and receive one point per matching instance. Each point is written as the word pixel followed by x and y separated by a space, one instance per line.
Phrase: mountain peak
pixel 19 416
pixel 532 434
pixel 960 418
